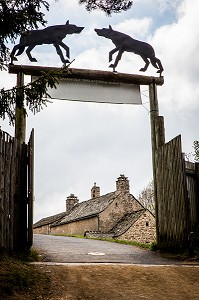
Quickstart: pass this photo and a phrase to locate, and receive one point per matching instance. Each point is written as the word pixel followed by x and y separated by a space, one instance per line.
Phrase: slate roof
pixel 126 222
pixel 88 208
pixel 49 220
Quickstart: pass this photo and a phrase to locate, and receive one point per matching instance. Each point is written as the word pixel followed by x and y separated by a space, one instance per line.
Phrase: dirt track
pixel 116 282
pixel 148 276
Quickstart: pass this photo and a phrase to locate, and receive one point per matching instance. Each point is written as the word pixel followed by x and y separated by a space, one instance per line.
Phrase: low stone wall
pixel 42 230
pixel 97 234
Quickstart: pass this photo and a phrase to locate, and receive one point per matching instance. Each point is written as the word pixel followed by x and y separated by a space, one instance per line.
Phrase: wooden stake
pixel 20 113
pixel 154 114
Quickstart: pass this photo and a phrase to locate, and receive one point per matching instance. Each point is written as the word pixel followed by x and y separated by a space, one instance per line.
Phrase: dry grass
pixel 22 281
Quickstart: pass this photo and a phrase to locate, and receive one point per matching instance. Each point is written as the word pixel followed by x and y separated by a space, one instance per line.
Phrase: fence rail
pixel 15 197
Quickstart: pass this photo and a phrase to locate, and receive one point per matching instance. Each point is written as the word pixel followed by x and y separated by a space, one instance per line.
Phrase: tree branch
pixel 35 95
pixel 108 6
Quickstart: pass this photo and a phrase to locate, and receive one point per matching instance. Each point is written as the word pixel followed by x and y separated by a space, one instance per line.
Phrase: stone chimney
pixel 122 184
pixel 71 201
pixel 95 191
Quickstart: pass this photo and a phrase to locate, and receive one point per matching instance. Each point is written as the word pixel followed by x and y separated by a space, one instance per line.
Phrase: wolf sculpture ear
pixel 110 27
pixel 67 22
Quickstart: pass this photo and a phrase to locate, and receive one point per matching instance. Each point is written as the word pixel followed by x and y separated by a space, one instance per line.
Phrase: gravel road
pixel 76 250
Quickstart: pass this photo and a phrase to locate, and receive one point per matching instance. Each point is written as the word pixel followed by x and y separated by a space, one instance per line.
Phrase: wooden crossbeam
pixel 97 75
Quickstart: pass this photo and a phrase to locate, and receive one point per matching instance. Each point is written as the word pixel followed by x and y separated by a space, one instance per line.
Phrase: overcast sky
pixel 77 144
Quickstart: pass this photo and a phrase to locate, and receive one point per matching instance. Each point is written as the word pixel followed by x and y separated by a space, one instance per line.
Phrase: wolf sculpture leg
pixel 146 64
pixel 157 64
pixel 65 48
pixel 112 52
pixel 12 55
pixel 161 69
pixel 29 49
pixel 118 57
pixel 59 52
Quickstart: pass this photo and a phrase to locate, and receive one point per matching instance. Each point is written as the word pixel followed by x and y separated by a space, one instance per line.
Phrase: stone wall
pixel 143 230
pixel 42 230
pixel 98 234
pixel 122 204
pixel 77 227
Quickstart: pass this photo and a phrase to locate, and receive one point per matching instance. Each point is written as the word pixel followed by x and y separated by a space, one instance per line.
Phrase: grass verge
pixel 18 277
pixel 150 246
pixel 125 242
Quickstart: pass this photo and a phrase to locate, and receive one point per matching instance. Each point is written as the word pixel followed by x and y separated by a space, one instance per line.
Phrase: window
pixel 147 223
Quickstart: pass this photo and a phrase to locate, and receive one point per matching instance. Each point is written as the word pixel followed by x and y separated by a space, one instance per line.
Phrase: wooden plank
pixel 7 194
pixel 3 192
pixel 16 229
pixel 23 197
pixel 190 167
pixel 12 192
pixel 192 189
pixel 1 189
pixel 22 221
pixel 88 74
pixel 30 187
pixel 197 190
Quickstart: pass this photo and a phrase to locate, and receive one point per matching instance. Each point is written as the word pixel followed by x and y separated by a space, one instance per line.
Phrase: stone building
pixel 117 214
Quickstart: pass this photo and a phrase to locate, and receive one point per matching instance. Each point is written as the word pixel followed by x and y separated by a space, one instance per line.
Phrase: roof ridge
pixel 91 207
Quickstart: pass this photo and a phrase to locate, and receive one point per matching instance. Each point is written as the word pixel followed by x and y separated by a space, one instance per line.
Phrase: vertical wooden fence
pixel 176 184
pixel 177 195
pixel 16 193
pixel 171 194
pixel 192 183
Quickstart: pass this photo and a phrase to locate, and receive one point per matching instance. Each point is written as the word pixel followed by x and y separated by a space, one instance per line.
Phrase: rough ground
pixel 81 276
pixel 116 282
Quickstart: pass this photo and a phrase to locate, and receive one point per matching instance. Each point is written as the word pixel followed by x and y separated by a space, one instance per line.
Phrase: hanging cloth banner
pixel 96 91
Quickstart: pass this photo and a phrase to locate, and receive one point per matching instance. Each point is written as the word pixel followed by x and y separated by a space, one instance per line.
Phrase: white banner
pixel 96 91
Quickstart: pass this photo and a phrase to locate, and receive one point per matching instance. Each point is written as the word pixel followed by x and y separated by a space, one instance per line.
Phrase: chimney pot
pixel 71 201
pixel 95 191
pixel 122 184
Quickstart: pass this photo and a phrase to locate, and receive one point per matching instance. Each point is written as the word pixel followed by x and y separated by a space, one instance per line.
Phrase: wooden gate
pixel 172 204
pixel 177 195
pixel 16 193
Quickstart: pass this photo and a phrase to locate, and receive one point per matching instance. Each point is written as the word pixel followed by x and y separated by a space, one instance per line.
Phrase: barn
pixel 118 214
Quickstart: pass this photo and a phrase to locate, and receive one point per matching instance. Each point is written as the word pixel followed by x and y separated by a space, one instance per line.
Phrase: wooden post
pixel 154 114
pixel 20 113
pixel 160 132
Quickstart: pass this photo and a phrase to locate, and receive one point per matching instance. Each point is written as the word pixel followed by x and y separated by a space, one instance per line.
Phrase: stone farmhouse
pixel 117 214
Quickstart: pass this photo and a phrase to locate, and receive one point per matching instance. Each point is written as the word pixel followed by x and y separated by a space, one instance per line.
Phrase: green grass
pixel 125 242
pixel 150 246
pixel 71 235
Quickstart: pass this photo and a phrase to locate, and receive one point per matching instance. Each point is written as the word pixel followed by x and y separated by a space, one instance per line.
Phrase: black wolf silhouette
pixel 49 35
pixel 124 42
